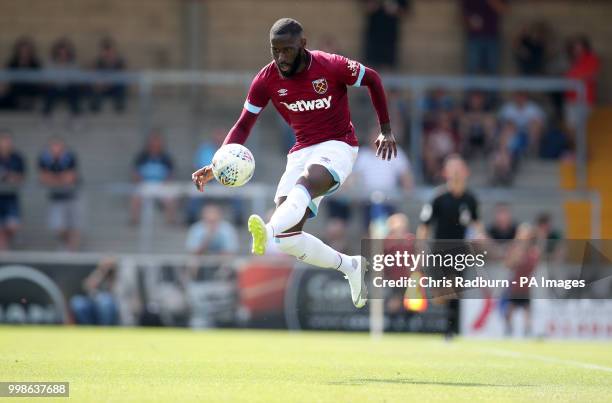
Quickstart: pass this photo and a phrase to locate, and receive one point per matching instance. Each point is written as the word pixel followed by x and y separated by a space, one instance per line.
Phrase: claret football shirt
pixel 313 102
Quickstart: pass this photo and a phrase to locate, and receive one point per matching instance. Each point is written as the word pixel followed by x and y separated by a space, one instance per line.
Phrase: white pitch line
pixel 543 358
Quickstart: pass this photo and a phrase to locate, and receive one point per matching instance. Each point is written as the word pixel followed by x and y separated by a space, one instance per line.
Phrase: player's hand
pixel 386 147
pixel 202 176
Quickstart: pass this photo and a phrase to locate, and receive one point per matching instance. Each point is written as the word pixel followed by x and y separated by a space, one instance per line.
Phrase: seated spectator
pixel 207 149
pixel 12 170
pixel 153 165
pixel 376 176
pixel 527 116
pixel 584 65
pixel 476 125
pixel 58 172
pixel 506 153
pixel 23 95
pixel 63 60
pixel 530 49
pixel 436 102
pixel 503 226
pixel 336 235
pixel 440 142
pixel 98 306
pixel 555 142
pixel 547 235
pixel 109 60
pixel 203 156
pixel 212 234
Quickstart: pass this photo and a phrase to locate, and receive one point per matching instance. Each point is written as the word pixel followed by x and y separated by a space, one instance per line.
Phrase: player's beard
pixel 294 66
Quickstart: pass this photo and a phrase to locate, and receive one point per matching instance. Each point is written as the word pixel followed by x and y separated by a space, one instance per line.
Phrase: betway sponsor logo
pixel 301 106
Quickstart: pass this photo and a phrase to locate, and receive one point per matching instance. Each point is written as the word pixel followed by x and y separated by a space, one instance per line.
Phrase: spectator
pixel 212 234
pixel 522 259
pixel 58 172
pixel 399 239
pixel 208 148
pixel 109 60
pixel 398 226
pixel 555 142
pixel 436 102
pixel 584 65
pixel 503 227
pixel 153 165
pixel 376 176
pixel 63 60
pixel 204 155
pixel 547 235
pixel 476 125
pixel 440 142
pixel 506 154
pixel 383 19
pixel 22 95
pixel 482 21
pixel 339 205
pixel 12 170
pixel 528 118
pixel 336 235
pixel 530 49
pixel 99 305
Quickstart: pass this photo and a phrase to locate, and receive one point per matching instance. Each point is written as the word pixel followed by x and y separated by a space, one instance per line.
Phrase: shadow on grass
pixel 357 382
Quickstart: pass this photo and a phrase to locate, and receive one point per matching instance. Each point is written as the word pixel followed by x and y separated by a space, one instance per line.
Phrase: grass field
pixel 244 365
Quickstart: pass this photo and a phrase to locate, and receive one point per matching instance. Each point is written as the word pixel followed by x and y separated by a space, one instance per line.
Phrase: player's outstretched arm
pixel 386 146
pixel 237 134
pixel 257 98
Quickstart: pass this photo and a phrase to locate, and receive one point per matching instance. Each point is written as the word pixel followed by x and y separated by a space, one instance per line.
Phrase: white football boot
pixel 356 279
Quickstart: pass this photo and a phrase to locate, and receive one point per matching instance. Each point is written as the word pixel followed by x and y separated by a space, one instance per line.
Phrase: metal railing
pixel 145 81
pixel 260 195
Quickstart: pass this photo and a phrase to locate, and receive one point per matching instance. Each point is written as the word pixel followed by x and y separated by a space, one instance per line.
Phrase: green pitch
pixel 244 365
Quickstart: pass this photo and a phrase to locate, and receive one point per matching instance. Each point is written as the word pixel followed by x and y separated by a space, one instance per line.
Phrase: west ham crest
pixel 320 86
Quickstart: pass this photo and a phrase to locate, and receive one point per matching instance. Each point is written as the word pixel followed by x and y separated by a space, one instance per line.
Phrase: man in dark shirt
pixel 454 215
pixel 454 209
pixel 22 95
pixel 109 60
pixel 482 20
pixel 12 169
pixel 382 31
pixel 58 172
pixel 503 227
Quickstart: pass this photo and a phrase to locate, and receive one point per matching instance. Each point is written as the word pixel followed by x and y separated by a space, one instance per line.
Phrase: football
pixel 233 165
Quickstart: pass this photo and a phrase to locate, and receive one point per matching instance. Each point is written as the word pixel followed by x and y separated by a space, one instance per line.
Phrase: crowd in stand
pixel 28 96
pixel 506 131
pixel 58 173
pixel 502 129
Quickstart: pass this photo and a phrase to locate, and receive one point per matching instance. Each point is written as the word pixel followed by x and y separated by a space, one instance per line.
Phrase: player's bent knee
pixel 299 226
pixel 317 180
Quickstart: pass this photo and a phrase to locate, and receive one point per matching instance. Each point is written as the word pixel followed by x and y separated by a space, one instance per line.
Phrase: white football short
pixel 337 156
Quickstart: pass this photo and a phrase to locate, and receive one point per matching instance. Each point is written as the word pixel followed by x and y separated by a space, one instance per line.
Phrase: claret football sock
pixel 291 212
